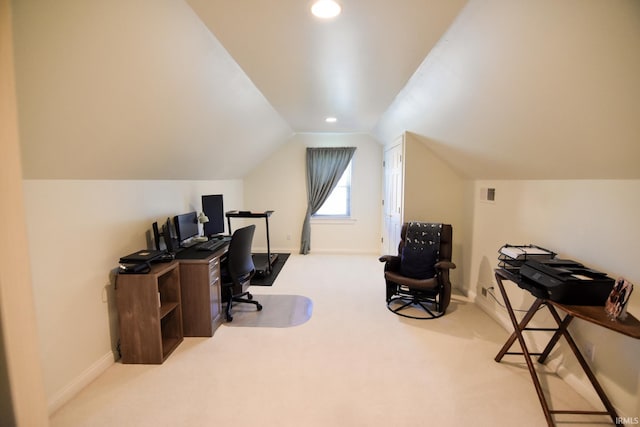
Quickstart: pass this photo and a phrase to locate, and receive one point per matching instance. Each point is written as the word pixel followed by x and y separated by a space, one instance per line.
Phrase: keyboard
pixel 212 245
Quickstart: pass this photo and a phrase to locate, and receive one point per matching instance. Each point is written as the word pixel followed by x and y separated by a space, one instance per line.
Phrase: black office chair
pixel 237 270
pixel 419 275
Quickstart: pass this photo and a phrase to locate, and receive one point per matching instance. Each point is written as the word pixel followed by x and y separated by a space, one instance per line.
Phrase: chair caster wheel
pixel 249 297
pixel 259 307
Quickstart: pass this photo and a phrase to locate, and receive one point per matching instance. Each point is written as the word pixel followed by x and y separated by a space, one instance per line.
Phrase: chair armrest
pixel 392 262
pixel 445 265
pixel 387 258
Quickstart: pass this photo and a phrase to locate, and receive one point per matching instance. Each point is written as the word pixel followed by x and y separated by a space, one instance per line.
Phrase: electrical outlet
pixel 589 351
pixel 105 293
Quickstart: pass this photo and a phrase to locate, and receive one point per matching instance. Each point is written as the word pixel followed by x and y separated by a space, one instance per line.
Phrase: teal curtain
pixel 325 166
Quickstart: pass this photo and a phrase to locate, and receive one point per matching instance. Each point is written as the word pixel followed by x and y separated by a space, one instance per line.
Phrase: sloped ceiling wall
pixel 134 90
pixel 538 89
pixel 533 89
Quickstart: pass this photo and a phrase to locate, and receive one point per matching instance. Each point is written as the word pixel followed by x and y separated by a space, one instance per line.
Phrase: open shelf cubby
pixel 150 313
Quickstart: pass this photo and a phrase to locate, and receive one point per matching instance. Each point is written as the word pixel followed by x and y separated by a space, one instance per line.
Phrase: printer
pixel 566 281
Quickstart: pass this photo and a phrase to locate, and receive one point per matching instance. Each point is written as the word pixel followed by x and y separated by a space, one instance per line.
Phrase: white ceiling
pixel 350 67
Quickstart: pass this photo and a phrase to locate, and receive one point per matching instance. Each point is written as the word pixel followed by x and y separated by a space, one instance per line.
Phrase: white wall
pixel 592 221
pixel 77 231
pixel 279 184
pixel 22 397
pixel 434 192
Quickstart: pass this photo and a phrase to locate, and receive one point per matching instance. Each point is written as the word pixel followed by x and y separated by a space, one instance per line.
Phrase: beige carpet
pixel 353 363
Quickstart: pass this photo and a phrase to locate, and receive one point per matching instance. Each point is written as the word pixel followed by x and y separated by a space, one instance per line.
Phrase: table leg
pixel 269 266
pixel 525 351
pixel 523 324
pixel 583 363
pixel 556 336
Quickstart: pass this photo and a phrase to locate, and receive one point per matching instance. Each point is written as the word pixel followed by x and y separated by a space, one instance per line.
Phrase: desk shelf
pixel 150 314
pixel 167 308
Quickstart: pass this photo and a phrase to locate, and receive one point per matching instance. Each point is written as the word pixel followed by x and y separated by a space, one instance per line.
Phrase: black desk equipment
pixel 567 281
pixel 213 244
pixel 560 280
pixel 263 262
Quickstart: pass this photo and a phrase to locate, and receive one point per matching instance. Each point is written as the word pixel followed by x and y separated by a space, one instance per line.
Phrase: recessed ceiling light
pixel 330 120
pixel 326 9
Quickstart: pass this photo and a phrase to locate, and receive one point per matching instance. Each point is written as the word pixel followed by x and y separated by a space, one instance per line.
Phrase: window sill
pixel 332 220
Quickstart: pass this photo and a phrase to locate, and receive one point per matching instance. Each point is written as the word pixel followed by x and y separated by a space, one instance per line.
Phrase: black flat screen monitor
pixel 213 208
pixel 186 225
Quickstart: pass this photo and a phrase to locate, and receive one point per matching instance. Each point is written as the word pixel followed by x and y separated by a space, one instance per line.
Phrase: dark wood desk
pixel 594 314
pixel 200 286
pixel 200 291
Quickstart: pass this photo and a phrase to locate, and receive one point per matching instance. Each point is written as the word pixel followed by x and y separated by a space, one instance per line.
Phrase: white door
pixel 392 203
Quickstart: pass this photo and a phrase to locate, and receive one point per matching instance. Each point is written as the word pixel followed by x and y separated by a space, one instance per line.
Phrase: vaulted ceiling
pixel 207 89
pixel 350 67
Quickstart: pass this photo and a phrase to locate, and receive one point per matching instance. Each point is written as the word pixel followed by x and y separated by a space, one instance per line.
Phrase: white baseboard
pixel 261 249
pixel 336 251
pixel 470 294
pixel 340 251
pixel 86 377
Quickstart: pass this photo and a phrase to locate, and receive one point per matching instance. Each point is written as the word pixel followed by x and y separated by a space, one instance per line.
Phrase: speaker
pixel 156 235
pixel 170 241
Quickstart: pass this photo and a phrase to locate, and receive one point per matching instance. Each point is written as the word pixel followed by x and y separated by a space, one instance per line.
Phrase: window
pixel 338 204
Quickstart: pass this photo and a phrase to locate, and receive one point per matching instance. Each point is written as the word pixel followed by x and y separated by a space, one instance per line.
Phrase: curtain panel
pixel 325 167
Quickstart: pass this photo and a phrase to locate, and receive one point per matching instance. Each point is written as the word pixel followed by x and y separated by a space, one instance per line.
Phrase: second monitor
pixel 213 208
pixel 186 226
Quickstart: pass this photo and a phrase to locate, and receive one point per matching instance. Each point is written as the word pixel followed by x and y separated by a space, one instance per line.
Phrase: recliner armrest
pixel 387 258
pixel 392 262
pixel 445 265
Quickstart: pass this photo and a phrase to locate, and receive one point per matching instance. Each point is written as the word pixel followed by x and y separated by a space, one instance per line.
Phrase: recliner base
pixel 407 301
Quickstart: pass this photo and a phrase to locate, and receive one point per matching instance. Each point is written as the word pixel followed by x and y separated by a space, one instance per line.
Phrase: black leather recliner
pixel 417 279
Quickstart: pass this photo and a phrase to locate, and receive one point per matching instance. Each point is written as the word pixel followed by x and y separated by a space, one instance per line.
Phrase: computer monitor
pixel 213 208
pixel 186 225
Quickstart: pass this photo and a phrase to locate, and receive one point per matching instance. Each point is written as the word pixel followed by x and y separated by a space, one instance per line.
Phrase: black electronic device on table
pixel 213 208
pixel 134 268
pixel 140 261
pixel 214 244
pixel 186 227
pixel 142 256
pixel 567 281
pixel 166 235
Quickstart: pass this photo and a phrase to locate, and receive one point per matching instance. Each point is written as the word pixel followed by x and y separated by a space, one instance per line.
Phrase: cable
pixel 489 292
